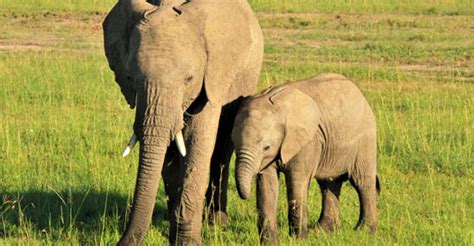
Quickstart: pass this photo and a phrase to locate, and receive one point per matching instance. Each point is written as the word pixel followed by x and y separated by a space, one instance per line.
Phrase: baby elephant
pixel 319 128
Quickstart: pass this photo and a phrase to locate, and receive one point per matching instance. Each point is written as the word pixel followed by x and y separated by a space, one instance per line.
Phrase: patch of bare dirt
pixel 25 45
pixel 419 67
pixel 22 45
pixel 59 31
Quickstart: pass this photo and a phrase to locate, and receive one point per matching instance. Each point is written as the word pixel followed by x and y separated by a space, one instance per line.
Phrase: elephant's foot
pixel 129 240
pixel 269 237
pixel 218 218
pixel 300 234
pixel 186 242
pixel 370 227
pixel 187 234
pixel 326 225
pixel 298 231
pixel 183 233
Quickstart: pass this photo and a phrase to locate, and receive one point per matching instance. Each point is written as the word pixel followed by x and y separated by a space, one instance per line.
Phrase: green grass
pixel 431 7
pixel 63 121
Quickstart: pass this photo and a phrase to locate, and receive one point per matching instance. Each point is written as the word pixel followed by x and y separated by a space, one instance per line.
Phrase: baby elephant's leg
pixel 367 194
pixel 267 199
pixel 297 194
pixel 364 179
pixel 330 190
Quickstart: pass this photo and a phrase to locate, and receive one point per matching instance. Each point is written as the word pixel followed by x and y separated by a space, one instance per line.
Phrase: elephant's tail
pixel 377 184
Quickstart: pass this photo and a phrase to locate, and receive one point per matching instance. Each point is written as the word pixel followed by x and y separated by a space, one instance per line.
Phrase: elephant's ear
pixel 302 119
pixel 226 55
pixel 116 38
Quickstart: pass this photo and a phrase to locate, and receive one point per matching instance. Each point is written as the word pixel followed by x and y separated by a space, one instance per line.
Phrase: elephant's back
pixel 226 12
pixel 345 110
pixel 346 118
pixel 333 92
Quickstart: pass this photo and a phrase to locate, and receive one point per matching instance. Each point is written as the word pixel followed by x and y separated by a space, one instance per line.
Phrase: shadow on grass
pixel 86 212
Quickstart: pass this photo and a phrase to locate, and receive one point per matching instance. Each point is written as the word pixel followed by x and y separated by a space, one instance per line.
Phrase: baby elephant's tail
pixel 377 184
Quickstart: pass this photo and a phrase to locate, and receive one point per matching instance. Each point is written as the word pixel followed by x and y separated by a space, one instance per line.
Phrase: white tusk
pixel 129 147
pixel 180 143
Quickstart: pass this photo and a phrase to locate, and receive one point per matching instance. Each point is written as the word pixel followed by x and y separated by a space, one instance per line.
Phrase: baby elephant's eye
pixel 189 78
pixel 267 147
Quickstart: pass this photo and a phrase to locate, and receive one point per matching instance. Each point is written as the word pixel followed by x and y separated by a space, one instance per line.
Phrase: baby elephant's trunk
pixel 245 168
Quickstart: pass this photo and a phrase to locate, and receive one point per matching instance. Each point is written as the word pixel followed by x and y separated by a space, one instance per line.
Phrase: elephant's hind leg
pixel 364 180
pixel 330 190
pixel 368 210
pixel 216 195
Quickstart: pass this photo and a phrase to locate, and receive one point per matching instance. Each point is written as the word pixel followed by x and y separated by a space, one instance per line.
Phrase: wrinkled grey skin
pixel 319 128
pixel 175 58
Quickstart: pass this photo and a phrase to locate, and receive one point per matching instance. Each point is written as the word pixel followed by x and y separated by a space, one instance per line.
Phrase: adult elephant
pixel 173 58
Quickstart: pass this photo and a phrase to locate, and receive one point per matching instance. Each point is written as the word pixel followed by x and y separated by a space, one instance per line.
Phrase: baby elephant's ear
pixel 302 118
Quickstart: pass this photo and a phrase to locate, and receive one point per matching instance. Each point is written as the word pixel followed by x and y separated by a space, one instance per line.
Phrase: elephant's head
pixel 168 58
pixel 274 124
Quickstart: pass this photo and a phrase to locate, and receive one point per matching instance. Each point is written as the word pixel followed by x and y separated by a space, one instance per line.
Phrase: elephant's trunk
pixel 155 126
pixel 246 167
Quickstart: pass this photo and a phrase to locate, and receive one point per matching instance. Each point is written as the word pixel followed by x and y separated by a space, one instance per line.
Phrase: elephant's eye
pixel 189 78
pixel 267 147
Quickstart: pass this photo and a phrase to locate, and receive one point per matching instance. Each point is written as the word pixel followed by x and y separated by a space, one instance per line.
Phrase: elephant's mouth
pixel 187 102
pixel 178 138
pixel 267 164
pixel 193 106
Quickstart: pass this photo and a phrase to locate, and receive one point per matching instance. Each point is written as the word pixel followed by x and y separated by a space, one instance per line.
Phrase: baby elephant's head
pixel 269 126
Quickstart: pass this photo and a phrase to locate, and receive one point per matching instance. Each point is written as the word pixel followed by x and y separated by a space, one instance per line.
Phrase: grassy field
pixel 63 121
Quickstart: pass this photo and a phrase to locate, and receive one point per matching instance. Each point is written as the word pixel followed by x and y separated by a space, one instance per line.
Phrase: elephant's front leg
pixel 267 200
pixel 200 137
pixel 171 177
pixel 298 182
